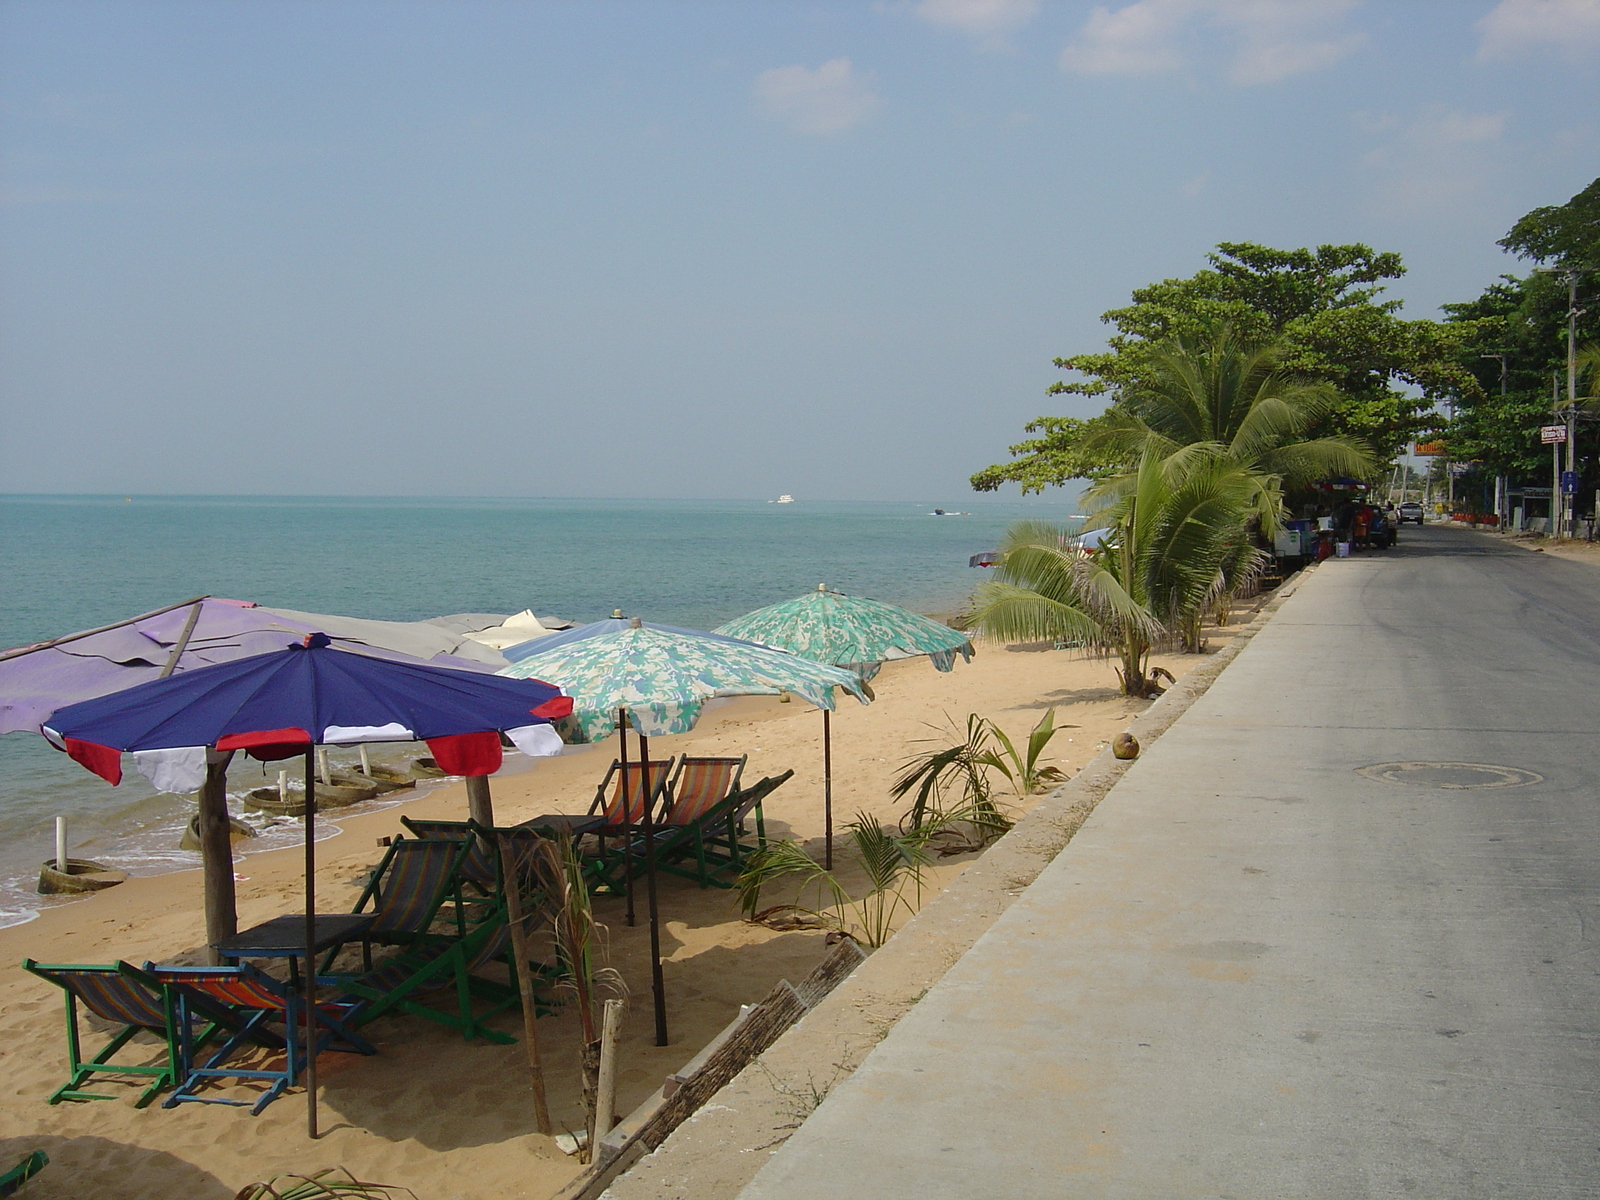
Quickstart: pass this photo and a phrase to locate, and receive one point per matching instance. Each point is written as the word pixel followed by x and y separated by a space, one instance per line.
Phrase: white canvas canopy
pixel 513 631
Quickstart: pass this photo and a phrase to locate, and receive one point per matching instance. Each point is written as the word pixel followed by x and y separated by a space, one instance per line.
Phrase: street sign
pixel 1552 433
pixel 1533 493
pixel 1427 449
pixel 1569 483
pixel 1460 469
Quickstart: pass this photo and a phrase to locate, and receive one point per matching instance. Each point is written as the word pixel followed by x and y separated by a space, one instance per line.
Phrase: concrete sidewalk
pixel 1256 973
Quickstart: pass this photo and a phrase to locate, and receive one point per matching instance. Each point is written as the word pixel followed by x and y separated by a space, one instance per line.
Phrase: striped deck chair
pixel 480 868
pixel 428 971
pixel 129 998
pixel 256 999
pixel 407 891
pixel 605 817
pixel 708 832
pixel 699 785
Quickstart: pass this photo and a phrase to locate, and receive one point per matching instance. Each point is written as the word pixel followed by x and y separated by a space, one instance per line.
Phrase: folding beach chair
pixel 699 785
pixel 256 999
pixel 22 1172
pixel 130 999
pixel 428 971
pixel 606 817
pixel 407 891
pixel 709 830
pixel 480 868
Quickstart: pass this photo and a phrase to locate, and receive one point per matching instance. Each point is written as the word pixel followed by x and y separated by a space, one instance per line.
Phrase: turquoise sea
pixel 74 562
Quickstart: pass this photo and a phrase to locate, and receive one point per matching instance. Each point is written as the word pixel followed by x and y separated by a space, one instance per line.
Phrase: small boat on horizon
pixel 784 499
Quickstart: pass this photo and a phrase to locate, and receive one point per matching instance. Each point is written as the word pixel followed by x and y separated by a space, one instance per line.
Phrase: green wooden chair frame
pixel 426 971
pixel 22 1172
pixel 710 840
pixel 413 882
pixel 126 996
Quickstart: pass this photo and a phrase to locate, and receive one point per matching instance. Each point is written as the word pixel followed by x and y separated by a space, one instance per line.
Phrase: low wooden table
pixel 285 937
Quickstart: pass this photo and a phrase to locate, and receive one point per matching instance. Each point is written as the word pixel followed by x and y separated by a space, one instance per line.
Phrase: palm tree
pixel 1224 399
pixel 1177 543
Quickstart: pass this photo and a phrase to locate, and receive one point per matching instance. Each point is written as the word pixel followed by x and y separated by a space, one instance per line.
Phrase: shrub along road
pixel 1260 971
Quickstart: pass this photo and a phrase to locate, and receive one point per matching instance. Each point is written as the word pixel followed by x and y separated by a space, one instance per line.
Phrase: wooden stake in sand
pixel 605 1100
pixel 510 872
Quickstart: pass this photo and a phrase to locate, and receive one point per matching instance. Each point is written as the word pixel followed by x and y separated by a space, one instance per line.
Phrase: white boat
pixel 786 499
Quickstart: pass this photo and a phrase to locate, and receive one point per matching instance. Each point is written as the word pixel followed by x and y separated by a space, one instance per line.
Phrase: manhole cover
pixel 1450 774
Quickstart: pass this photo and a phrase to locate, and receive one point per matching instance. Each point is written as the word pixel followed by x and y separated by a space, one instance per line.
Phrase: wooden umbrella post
pixel 657 986
pixel 216 856
pixel 627 805
pixel 309 980
pixel 827 791
pixel 530 1010
pixel 479 805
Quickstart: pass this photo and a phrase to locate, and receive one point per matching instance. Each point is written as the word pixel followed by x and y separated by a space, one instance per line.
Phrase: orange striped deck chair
pixel 699 786
pixel 257 999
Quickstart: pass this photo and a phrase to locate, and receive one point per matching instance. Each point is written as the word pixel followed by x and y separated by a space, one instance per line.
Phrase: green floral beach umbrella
pixel 852 632
pixel 663 679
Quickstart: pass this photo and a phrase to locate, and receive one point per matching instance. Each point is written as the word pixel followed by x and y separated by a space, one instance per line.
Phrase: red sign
pixel 1425 449
pixel 1549 434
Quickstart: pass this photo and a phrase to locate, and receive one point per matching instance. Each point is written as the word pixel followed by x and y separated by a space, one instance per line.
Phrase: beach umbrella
pixel 273 706
pixel 36 680
pixel 615 623
pixel 854 633
pixel 658 681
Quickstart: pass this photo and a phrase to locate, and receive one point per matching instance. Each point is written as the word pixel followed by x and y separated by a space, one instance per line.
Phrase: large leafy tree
pixel 1513 339
pixel 1323 308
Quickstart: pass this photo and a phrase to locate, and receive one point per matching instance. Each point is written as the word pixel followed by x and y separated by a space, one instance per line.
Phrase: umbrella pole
pixel 827 791
pixel 657 986
pixel 479 806
pixel 627 804
pixel 310 978
pixel 216 856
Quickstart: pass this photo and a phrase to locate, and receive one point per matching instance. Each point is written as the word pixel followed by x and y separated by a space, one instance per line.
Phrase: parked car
pixel 1409 511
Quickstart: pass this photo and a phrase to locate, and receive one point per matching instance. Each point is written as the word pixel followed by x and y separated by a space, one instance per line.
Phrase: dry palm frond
pixel 334 1181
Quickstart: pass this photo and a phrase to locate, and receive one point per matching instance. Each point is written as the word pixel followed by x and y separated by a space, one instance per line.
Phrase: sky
pixel 700 250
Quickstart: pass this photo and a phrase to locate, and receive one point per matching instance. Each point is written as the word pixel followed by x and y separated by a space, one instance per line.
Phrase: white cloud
pixel 830 99
pixel 1437 160
pixel 988 19
pixel 1515 27
pixel 1272 39
pixel 1134 40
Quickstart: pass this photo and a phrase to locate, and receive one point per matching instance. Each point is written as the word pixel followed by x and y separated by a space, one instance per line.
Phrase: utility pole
pixel 1570 507
pixel 1500 480
pixel 1556 501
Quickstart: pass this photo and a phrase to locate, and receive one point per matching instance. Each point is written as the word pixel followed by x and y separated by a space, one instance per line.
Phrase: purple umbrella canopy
pixel 278 704
pixel 36 681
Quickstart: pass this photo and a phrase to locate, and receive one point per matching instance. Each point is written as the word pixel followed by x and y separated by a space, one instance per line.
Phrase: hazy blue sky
pixel 695 249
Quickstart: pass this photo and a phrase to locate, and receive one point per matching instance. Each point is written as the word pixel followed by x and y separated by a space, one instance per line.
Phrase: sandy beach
pixel 451 1119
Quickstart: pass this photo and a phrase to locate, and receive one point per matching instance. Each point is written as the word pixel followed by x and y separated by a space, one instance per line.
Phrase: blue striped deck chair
pixel 407 891
pixel 130 999
pixel 481 866
pixel 256 999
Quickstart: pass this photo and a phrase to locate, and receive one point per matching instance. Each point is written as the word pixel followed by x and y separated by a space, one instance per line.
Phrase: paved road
pixel 1258 974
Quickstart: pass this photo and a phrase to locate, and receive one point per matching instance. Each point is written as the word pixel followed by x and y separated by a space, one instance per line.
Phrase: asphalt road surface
pixel 1335 935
